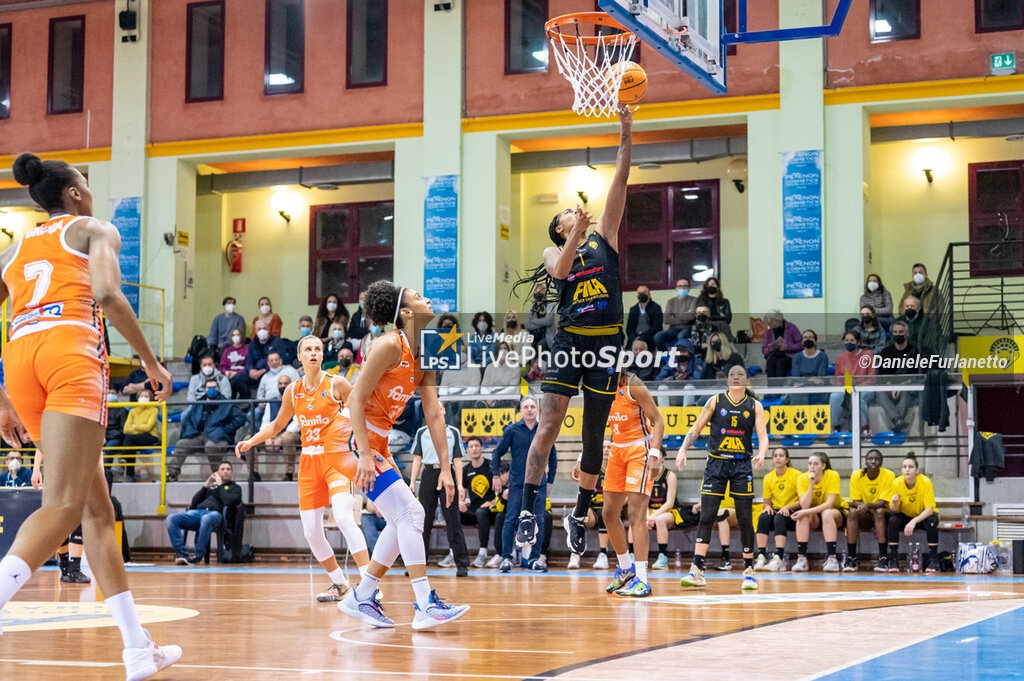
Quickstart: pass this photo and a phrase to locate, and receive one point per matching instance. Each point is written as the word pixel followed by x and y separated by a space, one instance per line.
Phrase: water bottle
pixel 915 557
pixel 679 559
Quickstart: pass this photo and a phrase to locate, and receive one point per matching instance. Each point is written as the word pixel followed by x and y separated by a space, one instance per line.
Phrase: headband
pixel 398 307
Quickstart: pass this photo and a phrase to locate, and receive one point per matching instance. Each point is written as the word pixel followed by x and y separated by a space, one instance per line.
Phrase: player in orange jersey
pixel 58 276
pixel 387 380
pixel 634 464
pixel 315 400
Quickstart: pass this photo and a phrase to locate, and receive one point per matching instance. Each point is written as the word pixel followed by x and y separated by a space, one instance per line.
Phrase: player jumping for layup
pixel 732 417
pixel 584 269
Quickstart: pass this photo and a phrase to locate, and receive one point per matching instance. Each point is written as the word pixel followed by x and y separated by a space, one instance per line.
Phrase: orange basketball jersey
pixel 393 391
pixel 627 420
pixel 315 410
pixel 49 282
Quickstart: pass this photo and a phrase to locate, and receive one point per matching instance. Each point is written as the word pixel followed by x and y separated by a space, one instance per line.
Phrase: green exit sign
pixel 1006 61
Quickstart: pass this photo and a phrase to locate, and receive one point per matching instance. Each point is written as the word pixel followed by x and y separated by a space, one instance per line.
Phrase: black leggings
pixel 75 538
pixel 780 523
pixel 481 518
pixel 898 521
pixel 595 420
pixel 745 519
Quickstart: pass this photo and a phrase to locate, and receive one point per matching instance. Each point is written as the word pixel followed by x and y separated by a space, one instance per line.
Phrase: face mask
pixel 872 286
pixel 850 347
pixel 212 392
pixel 375 330
pixel 112 397
pixel 263 334
pixel 682 292
pixel 281 390
pixel 207 370
pixel 360 304
pixel 702 318
pixel 808 343
pixel 264 309
pixel 337 334
pixel 512 324
pixel 899 339
pixel 144 399
pixel 229 308
pixel 236 340
pixel 305 331
pixel 716 345
pixel 867 321
pixel 910 313
pixel 344 362
pixel 481 326
pixel 712 290
pixel 14 466
pixel 331 307
pixel 918 278
pixel 643 297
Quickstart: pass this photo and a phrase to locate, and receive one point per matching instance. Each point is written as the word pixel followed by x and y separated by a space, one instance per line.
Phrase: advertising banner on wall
pixel 441 242
pixel 801 224
pixel 127 217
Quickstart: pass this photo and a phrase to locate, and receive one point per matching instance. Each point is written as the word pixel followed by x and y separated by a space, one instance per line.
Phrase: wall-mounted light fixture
pixel 737 172
pixel 932 161
pixel 285 203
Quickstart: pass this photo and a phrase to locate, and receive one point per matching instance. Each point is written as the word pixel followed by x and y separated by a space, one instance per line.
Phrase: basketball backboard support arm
pixel 743 36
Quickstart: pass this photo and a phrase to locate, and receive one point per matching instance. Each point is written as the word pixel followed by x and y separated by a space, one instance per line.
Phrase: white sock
pixel 625 562
pixel 367 587
pixel 362 571
pixel 641 570
pixel 421 587
pixel 482 552
pixel 122 608
pixel 338 577
pixel 13 573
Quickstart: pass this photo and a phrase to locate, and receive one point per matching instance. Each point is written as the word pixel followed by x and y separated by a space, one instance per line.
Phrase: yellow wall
pixel 912 220
pixel 275 256
pixel 733 211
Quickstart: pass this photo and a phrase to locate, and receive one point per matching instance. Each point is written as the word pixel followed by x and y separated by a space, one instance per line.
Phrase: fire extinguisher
pixel 233 254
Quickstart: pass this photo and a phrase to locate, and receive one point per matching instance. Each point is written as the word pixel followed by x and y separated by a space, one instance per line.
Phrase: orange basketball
pixel 634 82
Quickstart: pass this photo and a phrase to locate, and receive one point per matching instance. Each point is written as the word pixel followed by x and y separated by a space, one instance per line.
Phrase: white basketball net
pixel 591 70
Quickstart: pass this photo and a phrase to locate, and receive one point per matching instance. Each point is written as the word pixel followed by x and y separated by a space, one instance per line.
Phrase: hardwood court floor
pixel 259 623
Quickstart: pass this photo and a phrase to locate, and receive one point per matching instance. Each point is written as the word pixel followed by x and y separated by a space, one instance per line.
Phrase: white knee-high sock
pixel 14 572
pixel 122 608
pixel 421 588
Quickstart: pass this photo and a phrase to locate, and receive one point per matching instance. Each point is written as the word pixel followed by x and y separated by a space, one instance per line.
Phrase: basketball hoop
pixel 588 61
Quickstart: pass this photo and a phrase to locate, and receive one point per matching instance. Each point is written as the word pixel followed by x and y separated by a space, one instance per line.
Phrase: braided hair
pixel 540 275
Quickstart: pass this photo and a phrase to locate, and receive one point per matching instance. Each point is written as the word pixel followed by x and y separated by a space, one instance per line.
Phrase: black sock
pixel 747 562
pixel 604 550
pixel 75 563
pixel 883 549
pixel 763 551
pixel 529 496
pixel 725 554
pixel 781 553
pixel 663 548
pixel 801 548
pixel 629 547
pixel 698 561
pixel 830 546
pixel 851 550
pixel 894 553
pixel 583 497
pixel 933 552
pixel 63 560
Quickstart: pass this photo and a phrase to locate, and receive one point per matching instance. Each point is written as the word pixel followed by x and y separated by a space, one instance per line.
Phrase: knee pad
pixel 780 524
pixel 414 515
pixel 708 517
pixel 765 522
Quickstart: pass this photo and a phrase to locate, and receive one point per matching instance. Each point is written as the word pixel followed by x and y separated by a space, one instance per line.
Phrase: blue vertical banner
pixel 801 224
pixel 127 217
pixel 441 242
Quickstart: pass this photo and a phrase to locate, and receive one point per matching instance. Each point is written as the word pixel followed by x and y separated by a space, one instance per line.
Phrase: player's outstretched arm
pixel 615 204
pixel 695 430
pixel 280 422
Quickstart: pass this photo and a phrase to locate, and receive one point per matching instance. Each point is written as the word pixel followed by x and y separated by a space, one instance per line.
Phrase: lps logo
pixel 440 349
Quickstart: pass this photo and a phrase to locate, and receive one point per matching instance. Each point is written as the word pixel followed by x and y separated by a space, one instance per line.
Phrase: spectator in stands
pixel 197 384
pixel 292 353
pixel 870 494
pixel 781 341
pixel 879 299
pixel 501 376
pixel 680 311
pixel 268 317
pixel 872 335
pixel 540 319
pixel 372 523
pixel 911 315
pixel 204 515
pixel 810 363
pixel 209 427
pixel 645 318
pixel 447 321
pixel 684 366
pixel 779 503
pixel 357 324
pixel 720 357
pixel 224 324
pixel 286 444
pixel 701 330
pixel 476 504
pixel 821 505
pixel 347 366
pixel 856 361
pixel 516 439
pixel 335 343
pixel 921 287
pixel 481 341
pixel 500 503
pixel 512 332
pixel 331 311
pixel 662 502
pixel 263 344
pixel 366 342
pixel 643 361
pixel 15 475
pixel 136 381
pixel 140 430
pixel 232 365
pixel 463 380
pixel 115 425
pixel 268 383
pixel 897 405
pixel 913 505
pixel 721 312
pixel 424 457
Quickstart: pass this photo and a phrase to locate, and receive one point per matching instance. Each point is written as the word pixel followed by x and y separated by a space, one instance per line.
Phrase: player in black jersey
pixel 583 270
pixel 732 417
